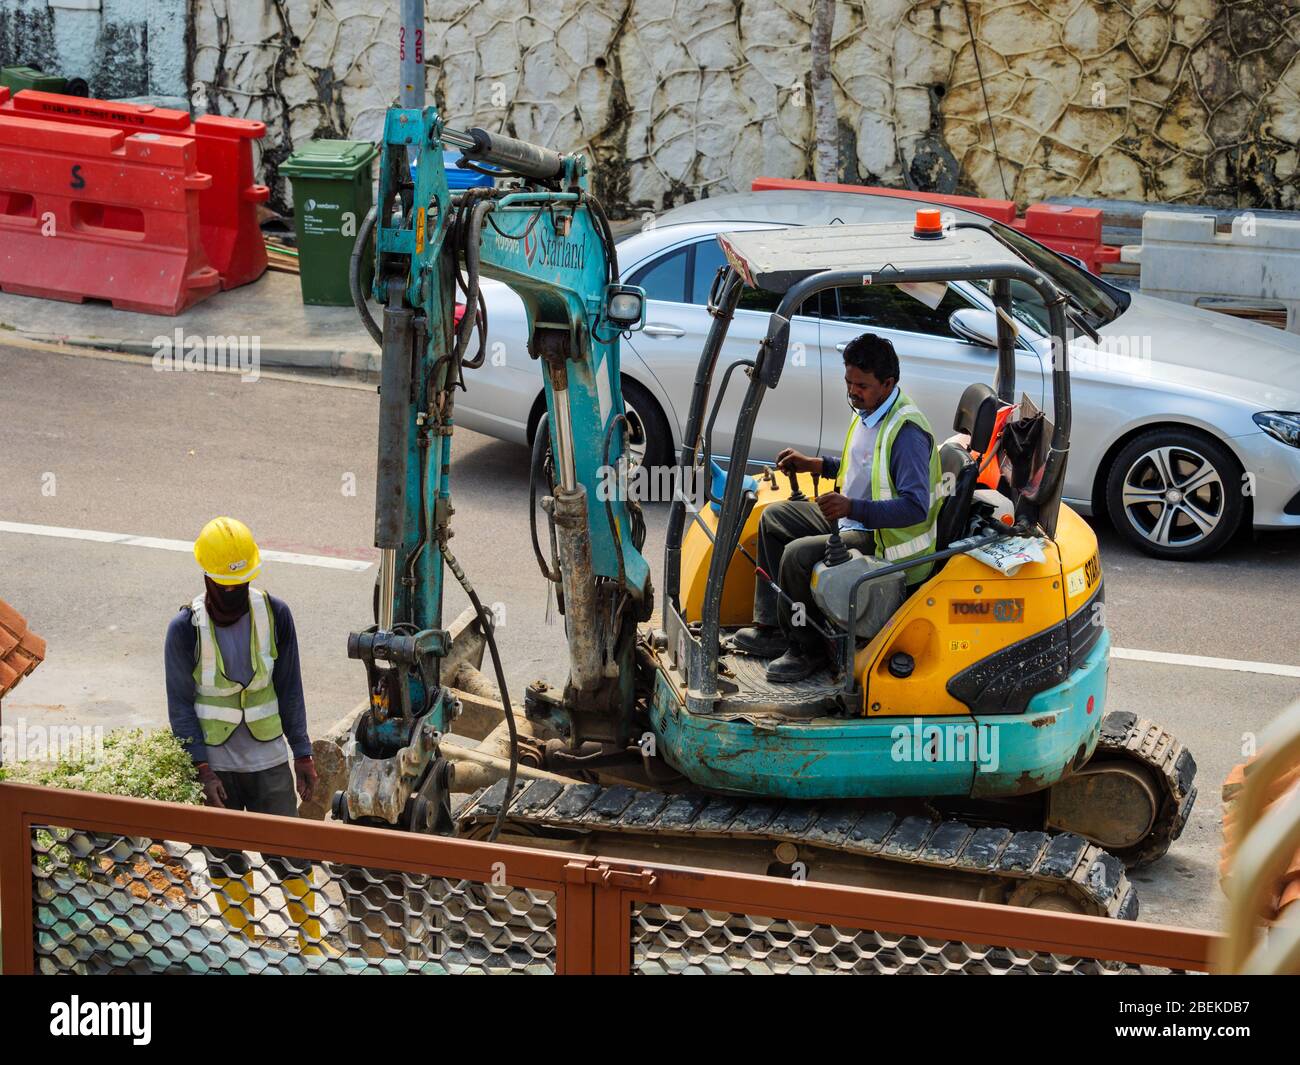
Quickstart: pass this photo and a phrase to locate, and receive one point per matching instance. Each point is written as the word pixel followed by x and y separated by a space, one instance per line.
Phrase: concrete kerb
pixel 321 341
pixel 362 365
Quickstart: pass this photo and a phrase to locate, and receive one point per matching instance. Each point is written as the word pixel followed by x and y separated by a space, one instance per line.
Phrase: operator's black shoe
pixel 763 641
pixel 795 665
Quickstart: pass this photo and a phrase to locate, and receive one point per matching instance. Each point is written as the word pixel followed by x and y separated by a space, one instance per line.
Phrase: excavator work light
pixel 625 306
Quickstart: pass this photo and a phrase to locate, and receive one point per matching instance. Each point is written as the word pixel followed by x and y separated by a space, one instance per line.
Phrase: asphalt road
pixel 105 443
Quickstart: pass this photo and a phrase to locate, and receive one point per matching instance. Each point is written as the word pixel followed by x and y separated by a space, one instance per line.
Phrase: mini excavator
pixel 664 741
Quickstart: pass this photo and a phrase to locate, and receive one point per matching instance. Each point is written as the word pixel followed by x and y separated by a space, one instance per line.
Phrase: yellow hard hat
pixel 227 552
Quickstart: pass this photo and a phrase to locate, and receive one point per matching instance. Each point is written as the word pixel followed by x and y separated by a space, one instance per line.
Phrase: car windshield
pixel 1097 305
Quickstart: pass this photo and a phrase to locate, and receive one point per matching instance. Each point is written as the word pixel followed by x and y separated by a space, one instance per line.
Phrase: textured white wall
pixel 676 99
pixel 121 47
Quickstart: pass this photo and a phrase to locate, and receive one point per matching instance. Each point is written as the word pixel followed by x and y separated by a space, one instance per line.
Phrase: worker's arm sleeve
pixel 178 660
pixel 909 469
pixel 830 466
pixel 288 681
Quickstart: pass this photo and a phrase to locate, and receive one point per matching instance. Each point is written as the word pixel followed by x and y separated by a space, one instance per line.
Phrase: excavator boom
pixel 546 237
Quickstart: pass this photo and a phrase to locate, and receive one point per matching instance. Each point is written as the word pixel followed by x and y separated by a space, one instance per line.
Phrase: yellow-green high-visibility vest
pixel 898 545
pixel 220 703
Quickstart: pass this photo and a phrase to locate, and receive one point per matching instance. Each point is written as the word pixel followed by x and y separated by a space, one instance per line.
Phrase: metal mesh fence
pixel 135 894
pixel 111 903
pixel 669 940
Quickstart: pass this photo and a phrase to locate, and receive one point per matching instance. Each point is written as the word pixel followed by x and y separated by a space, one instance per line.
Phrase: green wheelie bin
pixel 332 193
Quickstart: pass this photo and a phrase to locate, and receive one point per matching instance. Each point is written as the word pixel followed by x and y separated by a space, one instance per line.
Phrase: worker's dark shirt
pixel 181 654
pixel 909 469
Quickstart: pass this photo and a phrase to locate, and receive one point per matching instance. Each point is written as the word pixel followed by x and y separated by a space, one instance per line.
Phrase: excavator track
pixel 1167 767
pixel 1060 870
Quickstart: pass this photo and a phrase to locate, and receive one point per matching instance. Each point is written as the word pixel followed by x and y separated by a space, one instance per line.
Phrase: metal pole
pixel 410 54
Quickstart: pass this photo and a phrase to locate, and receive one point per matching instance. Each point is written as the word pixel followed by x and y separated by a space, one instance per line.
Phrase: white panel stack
pixel 1258 263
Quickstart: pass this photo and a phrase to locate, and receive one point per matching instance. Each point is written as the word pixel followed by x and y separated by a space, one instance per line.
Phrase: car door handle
pixel 841 347
pixel 663 331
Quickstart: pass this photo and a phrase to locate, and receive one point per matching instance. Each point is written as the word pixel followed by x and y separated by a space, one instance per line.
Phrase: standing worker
pixel 234 695
pixel 886 501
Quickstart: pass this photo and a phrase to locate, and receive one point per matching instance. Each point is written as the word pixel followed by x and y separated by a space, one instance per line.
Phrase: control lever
pixel 836 552
pixel 796 493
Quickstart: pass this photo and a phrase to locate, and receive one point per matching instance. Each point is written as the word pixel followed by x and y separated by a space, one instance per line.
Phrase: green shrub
pixel 137 763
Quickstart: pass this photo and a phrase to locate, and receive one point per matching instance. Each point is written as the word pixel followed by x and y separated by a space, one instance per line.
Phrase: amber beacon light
pixel 929 226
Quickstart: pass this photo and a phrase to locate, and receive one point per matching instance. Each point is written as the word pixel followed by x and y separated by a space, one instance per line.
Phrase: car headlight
pixel 1282 424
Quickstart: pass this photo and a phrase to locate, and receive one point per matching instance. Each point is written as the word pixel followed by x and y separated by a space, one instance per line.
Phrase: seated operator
pixel 885 502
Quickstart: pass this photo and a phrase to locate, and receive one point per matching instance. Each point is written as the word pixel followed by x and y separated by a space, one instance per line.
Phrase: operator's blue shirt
pixel 909 469
pixel 181 655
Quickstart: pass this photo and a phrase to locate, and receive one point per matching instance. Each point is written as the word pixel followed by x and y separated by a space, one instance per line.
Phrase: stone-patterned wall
pixel 121 47
pixel 1191 100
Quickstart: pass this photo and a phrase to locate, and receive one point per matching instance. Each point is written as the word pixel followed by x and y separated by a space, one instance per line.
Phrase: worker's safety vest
pixel 898 545
pixel 221 703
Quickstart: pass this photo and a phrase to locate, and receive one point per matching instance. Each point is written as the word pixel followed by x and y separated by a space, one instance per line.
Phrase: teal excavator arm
pixel 547 238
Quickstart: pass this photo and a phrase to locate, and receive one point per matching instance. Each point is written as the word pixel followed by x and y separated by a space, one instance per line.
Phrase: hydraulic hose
pixel 485 620
pixel 470 317
pixel 536 468
pixel 354 278
pixel 609 506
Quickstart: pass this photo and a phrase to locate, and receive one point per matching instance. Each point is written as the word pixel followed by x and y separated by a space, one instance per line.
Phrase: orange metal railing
pixel 90 883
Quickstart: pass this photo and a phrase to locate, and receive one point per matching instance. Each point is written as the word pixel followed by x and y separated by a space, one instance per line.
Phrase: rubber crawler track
pixel 1060 862
pixel 1127 737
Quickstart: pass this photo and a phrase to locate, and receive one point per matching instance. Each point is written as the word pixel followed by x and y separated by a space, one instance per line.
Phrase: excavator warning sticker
pixel 978 611
pixel 419 231
pixel 1083 579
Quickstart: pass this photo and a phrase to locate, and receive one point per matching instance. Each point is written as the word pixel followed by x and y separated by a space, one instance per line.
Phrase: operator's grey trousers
pixel 792 539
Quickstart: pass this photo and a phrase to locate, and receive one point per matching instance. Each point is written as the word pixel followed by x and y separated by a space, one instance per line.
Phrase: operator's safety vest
pixel 220 703
pixel 897 545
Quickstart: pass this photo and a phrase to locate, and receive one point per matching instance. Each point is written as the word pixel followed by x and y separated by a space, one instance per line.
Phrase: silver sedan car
pixel 1186 422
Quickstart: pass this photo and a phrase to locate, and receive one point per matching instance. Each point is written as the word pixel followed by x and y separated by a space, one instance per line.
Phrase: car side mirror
pixel 979 327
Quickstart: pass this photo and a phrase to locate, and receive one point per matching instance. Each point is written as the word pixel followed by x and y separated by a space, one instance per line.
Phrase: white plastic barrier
pixel 1257 264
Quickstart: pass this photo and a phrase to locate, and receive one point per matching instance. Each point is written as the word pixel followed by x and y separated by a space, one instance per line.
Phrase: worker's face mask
pixel 226 603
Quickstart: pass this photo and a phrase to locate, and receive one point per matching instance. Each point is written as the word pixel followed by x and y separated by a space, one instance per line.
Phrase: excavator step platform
pixel 745 690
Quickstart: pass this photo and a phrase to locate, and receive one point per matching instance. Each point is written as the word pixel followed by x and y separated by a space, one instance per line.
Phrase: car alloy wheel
pixel 1173 496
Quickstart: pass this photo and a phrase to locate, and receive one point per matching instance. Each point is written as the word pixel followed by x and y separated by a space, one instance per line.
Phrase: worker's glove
pixel 214 792
pixel 304 769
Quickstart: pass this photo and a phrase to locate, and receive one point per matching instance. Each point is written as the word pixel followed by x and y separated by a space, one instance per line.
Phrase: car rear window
pixel 889 307
pixel 664 278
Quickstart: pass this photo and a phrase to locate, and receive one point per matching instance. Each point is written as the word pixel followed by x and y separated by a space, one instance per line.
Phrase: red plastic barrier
pixel 1072 230
pixel 96 213
pixel 227 211
pixel 998 210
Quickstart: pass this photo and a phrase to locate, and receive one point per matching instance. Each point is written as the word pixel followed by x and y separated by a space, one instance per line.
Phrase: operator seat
pixel 976 417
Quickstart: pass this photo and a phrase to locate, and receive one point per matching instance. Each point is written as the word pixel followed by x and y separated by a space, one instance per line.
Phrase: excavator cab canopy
pixel 775 260
pixel 797 263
